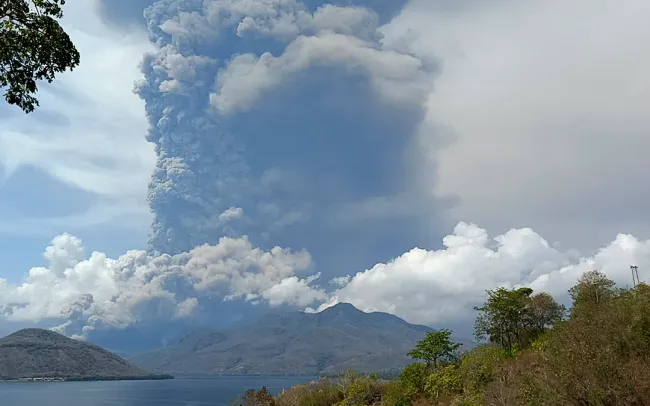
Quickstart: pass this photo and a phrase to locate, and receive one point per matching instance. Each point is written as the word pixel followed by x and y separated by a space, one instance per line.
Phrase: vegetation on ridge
pixel 537 353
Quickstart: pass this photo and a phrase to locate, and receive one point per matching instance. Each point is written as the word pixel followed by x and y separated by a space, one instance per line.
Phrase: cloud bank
pixel 86 294
pixel 432 287
pixel 440 287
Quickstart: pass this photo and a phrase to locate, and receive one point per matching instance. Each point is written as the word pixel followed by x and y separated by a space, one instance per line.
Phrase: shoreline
pixel 156 377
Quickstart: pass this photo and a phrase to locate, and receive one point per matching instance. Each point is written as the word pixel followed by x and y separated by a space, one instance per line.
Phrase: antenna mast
pixel 635 275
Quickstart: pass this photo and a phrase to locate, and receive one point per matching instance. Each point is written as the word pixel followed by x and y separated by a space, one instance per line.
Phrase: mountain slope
pixel 339 338
pixel 38 353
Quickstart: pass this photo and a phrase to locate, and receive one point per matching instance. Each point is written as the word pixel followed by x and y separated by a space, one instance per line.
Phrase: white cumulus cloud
pixel 231 213
pixel 84 293
pixel 440 287
pixel 433 287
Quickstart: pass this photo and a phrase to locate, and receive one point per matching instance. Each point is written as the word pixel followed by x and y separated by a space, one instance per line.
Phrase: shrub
pixel 363 391
pixel 444 381
pixel 394 393
pixel 414 379
pixel 478 367
pixel 599 357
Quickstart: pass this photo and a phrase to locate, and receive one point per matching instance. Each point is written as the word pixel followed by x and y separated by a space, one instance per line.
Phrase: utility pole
pixel 635 275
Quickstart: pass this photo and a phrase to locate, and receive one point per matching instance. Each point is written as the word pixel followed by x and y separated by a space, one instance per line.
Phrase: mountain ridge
pixel 329 342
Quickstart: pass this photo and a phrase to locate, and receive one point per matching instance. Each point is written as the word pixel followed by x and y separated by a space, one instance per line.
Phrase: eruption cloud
pixel 292 113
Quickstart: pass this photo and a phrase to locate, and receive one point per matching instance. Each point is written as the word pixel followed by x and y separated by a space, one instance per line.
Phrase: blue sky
pixel 398 158
pixel 65 166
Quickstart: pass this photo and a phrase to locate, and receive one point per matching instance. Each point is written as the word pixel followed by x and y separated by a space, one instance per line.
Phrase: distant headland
pixel 38 355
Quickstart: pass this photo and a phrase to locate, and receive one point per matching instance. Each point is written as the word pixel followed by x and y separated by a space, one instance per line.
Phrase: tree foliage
pixel 513 318
pixel 593 288
pixel 33 46
pixel 435 347
pixel 414 379
pixel 443 381
pixel 478 367
pixel 260 397
pixel 544 312
pixel 601 356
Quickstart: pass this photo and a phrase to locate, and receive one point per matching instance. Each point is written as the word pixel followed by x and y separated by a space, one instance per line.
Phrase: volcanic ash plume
pixel 272 118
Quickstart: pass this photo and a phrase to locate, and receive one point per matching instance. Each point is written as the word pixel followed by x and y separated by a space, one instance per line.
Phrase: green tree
pixel 33 46
pixel 544 312
pixel 513 318
pixel 502 317
pixel 434 347
pixel 593 288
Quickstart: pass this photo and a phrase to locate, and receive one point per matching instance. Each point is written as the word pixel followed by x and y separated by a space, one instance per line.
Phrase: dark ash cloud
pixel 293 114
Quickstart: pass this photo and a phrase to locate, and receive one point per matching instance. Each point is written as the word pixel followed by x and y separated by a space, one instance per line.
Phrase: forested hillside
pixel 536 353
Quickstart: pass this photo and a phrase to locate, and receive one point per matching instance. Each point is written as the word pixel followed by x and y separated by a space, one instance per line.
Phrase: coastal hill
pixel 43 354
pixel 332 341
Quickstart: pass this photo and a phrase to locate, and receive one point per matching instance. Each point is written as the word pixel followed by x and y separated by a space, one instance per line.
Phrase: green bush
pixel 601 356
pixel 414 379
pixel 394 394
pixel 478 367
pixel 359 390
pixel 444 381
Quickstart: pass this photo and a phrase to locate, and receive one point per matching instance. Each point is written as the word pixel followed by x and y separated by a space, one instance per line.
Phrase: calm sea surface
pixel 185 391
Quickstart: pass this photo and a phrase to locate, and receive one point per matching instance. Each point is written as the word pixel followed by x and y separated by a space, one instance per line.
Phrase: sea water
pixel 182 391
